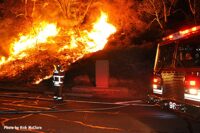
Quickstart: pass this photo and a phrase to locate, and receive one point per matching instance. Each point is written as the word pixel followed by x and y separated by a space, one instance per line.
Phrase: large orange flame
pixel 79 44
pixel 95 39
pixel 39 35
pixel 100 33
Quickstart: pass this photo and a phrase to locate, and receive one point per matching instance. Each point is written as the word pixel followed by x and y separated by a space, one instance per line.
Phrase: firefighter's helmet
pixel 58 67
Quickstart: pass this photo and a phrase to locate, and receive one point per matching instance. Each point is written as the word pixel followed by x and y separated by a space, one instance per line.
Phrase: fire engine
pixel 176 80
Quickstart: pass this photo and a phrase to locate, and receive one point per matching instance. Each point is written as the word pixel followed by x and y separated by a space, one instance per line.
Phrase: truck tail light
pixel 192 85
pixel 157 85
pixel 156 82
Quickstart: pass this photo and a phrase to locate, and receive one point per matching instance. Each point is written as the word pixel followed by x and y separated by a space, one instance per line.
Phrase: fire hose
pixel 59 111
pixel 118 106
pixel 92 102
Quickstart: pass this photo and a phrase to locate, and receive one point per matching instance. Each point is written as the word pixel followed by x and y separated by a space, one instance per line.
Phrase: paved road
pixel 34 113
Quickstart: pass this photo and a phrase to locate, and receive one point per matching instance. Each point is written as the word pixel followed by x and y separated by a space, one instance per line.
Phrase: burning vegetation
pixel 34 52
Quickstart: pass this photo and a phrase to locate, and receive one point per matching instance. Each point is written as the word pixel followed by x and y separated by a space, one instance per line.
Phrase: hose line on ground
pixel 60 111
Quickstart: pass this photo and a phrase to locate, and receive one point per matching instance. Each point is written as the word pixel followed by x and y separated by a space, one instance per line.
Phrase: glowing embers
pixel 157 88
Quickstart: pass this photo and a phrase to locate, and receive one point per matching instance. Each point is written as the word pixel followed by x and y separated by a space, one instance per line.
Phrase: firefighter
pixel 58 78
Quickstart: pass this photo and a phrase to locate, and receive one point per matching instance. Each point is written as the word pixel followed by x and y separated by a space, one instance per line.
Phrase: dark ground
pixel 83 115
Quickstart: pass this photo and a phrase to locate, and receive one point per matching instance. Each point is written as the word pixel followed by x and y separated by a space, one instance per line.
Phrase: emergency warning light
pixel 182 33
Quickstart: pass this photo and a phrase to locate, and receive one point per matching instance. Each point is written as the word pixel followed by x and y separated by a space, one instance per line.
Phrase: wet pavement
pixel 38 113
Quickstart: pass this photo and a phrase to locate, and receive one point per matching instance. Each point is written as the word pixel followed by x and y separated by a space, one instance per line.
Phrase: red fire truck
pixel 176 81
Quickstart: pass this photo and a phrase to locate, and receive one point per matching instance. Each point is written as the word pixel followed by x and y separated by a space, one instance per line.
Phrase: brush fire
pixel 34 53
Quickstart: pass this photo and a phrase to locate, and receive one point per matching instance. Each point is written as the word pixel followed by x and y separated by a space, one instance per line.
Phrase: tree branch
pixel 86 10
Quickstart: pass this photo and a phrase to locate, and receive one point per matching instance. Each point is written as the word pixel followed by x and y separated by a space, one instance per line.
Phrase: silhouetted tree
pixel 75 10
pixel 157 10
pixel 194 8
